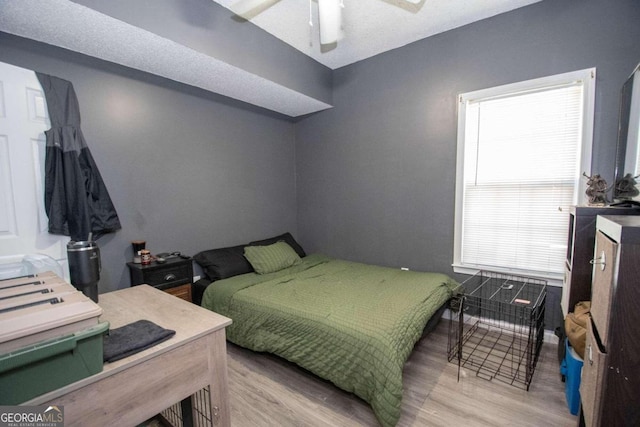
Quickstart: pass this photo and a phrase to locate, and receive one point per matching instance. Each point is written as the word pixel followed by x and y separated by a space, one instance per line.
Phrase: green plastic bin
pixel 48 365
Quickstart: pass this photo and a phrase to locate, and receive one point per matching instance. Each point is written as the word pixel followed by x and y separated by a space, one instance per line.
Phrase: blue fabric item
pixel 571 368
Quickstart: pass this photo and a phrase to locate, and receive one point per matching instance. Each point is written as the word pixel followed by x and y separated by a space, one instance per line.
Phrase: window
pixel 522 149
pixel 633 133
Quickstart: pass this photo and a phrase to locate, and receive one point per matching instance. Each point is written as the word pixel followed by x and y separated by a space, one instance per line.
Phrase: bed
pixel 350 323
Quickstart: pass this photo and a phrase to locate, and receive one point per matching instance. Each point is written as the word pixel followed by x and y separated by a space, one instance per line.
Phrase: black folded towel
pixel 133 338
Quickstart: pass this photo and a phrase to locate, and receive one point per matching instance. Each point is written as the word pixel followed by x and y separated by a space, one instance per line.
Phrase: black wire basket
pixel 497 327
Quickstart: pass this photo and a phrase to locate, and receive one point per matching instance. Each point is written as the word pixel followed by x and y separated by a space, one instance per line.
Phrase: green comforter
pixel 350 323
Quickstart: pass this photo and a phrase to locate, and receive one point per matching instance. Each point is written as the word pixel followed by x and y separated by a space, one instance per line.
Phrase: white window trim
pixel 632 157
pixel 588 77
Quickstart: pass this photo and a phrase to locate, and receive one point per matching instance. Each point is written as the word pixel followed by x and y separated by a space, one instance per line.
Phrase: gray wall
pixel 186 170
pixel 376 174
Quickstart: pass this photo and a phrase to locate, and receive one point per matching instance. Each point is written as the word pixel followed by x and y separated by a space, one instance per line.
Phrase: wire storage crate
pixel 497 327
pixel 194 411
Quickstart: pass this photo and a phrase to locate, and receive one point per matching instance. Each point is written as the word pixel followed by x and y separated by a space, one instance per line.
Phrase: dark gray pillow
pixel 223 263
pixel 286 237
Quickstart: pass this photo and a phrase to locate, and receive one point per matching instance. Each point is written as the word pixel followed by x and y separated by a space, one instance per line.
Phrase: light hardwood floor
pixel 268 391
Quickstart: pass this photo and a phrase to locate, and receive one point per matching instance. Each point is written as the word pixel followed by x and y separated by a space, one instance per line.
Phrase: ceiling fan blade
pixel 330 20
pixel 249 9
pixel 413 6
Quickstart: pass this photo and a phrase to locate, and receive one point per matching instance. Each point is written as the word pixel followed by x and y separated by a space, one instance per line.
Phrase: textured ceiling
pixel 371 27
pixel 71 26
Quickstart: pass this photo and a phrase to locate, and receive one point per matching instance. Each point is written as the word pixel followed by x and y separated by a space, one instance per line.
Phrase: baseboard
pixel 550 337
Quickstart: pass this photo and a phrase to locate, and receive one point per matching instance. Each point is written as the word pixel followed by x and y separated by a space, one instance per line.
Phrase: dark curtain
pixel 76 199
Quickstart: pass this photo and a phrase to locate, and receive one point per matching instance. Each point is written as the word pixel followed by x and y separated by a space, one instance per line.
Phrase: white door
pixel 23 120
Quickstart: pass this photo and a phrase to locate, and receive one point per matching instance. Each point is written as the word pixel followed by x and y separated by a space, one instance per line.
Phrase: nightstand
pixel 173 276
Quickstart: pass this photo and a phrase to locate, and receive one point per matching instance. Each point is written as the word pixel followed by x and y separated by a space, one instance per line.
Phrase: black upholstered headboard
pixel 222 263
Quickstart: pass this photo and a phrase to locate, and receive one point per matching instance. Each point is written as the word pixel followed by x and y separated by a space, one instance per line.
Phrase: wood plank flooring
pixel 268 391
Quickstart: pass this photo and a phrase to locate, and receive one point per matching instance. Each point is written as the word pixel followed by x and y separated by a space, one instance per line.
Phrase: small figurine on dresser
pixel 626 187
pixel 596 190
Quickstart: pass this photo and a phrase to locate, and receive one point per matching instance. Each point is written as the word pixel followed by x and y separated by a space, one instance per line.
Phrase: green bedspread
pixel 350 323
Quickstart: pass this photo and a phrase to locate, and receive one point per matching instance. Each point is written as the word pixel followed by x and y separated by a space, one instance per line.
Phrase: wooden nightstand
pixel 173 276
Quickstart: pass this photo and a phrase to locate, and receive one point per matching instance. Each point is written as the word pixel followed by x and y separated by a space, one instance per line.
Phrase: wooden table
pixel 134 389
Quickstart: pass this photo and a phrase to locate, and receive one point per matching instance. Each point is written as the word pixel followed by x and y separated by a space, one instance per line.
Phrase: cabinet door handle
pixel 169 277
pixel 601 261
pixel 590 353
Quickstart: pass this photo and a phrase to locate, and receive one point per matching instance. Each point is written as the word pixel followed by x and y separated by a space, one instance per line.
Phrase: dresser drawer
pixel 173 276
pixel 174 272
pixel 592 382
pixel 602 290
pixel 162 278
pixel 182 291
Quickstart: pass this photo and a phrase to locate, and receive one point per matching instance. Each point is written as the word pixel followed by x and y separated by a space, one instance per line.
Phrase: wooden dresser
pixel 173 276
pixel 610 384
pixel 131 390
pixel 582 236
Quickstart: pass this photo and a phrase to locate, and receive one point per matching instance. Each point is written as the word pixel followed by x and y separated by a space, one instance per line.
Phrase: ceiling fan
pixel 329 13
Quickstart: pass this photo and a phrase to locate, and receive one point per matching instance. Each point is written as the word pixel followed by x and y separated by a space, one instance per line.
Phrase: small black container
pixel 84 267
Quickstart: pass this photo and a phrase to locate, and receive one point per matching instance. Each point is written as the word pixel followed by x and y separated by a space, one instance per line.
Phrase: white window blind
pixel 522 153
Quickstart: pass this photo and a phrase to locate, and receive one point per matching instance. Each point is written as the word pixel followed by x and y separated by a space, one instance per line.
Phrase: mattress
pixel 350 323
